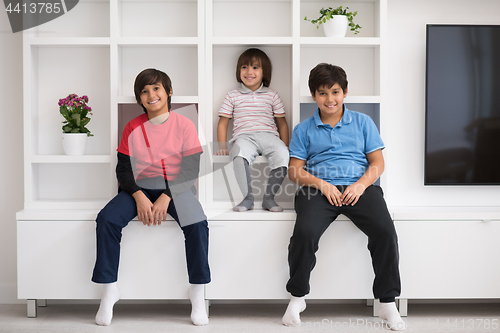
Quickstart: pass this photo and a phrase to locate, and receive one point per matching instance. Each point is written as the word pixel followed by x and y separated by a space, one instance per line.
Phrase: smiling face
pixel 251 75
pixel 155 99
pixel 330 102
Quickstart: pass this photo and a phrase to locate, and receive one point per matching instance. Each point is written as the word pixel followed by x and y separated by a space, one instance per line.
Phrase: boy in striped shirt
pixel 259 128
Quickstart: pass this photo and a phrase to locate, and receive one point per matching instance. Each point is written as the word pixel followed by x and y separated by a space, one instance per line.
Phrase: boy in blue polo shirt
pixel 336 156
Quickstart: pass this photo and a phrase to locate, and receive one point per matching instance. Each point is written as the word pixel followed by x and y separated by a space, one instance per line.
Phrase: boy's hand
pixel 222 152
pixel 352 193
pixel 160 208
pixel 144 208
pixel 332 194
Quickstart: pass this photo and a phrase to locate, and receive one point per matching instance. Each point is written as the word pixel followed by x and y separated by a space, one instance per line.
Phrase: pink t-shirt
pixel 158 149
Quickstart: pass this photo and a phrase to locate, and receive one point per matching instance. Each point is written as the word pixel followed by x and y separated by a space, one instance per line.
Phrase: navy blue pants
pixel 369 214
pixel 118 213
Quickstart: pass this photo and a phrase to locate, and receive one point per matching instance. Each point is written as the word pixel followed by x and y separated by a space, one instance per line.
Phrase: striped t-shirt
pixel 252 110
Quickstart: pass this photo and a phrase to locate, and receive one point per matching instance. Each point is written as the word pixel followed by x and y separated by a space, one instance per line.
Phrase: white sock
pixel 292 313
pixel 390 314
pixel 110 296
pixel 199 315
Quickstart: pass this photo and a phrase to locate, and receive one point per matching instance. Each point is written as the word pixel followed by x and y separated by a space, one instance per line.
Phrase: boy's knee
pixel 198 227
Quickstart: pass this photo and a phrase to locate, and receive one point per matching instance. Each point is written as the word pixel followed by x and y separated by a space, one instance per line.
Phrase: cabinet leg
pixel 376 307
pixel 369 302
pixel 207 306
pixel 32 308
pixel 42 303
pixel 403 307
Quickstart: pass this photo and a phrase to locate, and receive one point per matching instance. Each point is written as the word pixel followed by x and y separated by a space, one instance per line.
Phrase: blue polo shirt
pixel 336 155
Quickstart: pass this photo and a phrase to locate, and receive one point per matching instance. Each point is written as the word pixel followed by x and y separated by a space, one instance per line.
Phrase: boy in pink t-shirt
pixel 158 163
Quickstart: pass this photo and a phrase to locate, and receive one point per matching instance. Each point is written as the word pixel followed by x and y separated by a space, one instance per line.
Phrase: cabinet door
pixel 56 259
pixel 249 260
pixel 449 259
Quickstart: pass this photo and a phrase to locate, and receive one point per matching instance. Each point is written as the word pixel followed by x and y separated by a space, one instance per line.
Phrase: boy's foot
pixel 271 205
pixel 390 314
pixel 292 313
pixel 110 296
pixel 246 204
pixel 199 315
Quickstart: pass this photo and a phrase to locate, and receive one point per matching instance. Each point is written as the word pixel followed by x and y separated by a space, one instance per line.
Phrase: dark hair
pixel 148 77
pixel 249 57
pixel 327 75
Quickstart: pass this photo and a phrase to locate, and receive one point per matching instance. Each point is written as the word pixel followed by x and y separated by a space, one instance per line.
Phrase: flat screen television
pixel 462 102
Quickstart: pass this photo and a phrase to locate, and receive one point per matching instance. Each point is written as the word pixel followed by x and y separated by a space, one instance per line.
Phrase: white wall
pixel 405 107
pixel 404 132
pixel 11 150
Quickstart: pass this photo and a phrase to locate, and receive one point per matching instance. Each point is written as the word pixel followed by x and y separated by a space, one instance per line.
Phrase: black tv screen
pixel 462 125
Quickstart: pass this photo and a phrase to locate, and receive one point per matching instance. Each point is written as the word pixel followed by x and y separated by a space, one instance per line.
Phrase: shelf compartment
pixel 230 14
pixel 71 182
pixel 225 58
pixel 180 63
pixel 360 64
pixel 57 72
pixel 158 18
pixel 86 19
pixel 367 17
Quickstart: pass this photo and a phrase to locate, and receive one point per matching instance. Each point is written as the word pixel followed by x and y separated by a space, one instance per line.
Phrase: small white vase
pixel 74 143
pixel 336 26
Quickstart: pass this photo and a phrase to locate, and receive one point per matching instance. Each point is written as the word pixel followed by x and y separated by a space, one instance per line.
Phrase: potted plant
pixel 76 115
pixel 335 21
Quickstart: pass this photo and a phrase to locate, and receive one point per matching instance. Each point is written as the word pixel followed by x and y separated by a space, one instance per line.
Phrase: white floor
pixel 243 318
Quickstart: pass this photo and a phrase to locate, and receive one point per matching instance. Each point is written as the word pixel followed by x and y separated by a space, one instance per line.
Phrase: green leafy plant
pixel 76 113
pixel 327 14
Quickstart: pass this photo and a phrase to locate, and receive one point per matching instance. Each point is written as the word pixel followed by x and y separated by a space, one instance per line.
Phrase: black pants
pixel 369 214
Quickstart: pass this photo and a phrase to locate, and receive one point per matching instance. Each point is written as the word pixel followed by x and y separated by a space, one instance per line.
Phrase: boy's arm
pixel 299 175
pixel 125 176
pixel 283 129
pixel 222 135
pixel 373 172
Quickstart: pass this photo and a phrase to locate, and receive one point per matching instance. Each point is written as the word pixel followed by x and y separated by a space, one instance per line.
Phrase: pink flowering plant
pixel 76 113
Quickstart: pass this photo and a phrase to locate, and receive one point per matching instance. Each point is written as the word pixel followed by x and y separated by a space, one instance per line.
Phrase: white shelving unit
pixel 198 47
pixel 97 49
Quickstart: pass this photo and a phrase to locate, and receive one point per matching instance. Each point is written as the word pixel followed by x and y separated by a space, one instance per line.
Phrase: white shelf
pixel 160 41
pixel 226 159
pixel 70 41
pixel 336 42
pixel 252 40
pixel 64 205
pixel 71 159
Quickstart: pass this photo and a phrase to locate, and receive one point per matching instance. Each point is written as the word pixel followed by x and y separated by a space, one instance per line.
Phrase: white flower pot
pixel 74 143
pixel 336 26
